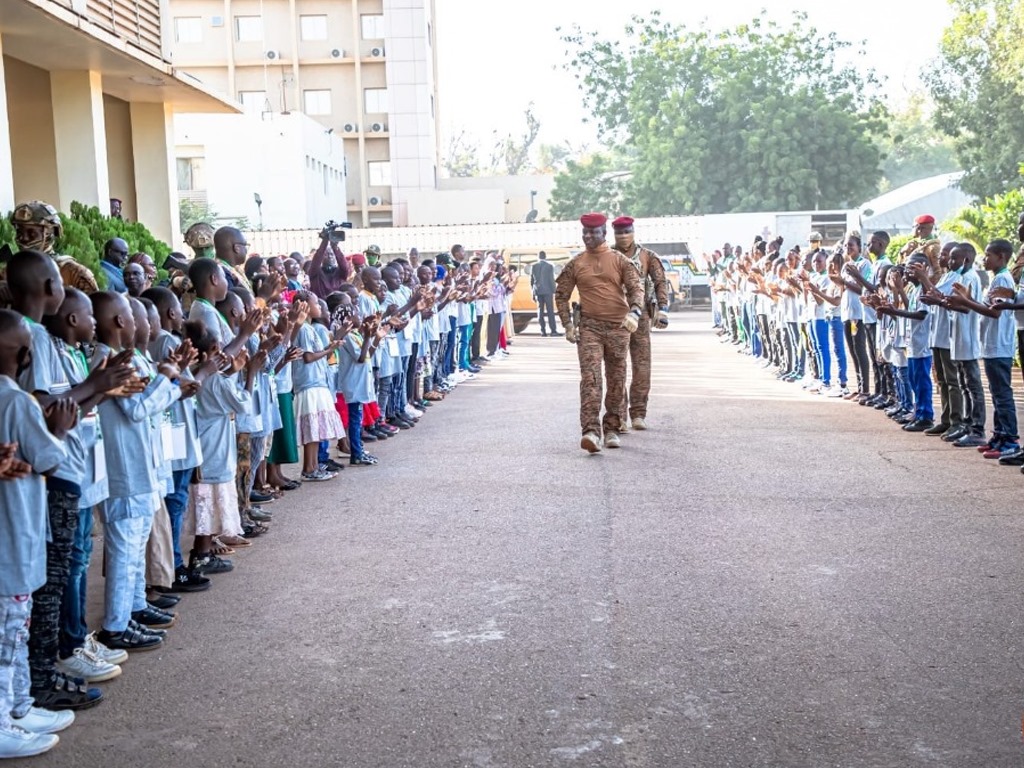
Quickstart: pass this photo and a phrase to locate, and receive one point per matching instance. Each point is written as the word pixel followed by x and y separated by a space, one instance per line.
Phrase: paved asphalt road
pixel 763 579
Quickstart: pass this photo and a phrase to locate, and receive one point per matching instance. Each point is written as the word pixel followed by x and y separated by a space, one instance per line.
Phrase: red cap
pixel 593 219
pixel 623 222
pixel 925 218
pixel 358 260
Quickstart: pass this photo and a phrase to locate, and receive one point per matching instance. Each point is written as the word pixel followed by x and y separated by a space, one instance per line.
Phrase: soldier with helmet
pixel 199 237
pixel 37 227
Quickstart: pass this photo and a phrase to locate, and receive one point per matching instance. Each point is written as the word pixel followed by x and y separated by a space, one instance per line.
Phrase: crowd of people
pixel 930 317
pixel 171 411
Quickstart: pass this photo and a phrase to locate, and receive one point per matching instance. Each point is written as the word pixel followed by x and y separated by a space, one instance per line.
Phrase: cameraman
pixel 328 270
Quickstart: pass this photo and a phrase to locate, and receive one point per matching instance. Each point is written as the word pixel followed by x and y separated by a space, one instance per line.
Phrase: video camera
pixel 335 232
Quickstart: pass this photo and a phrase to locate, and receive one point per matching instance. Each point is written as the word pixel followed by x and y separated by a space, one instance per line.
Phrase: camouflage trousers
pixel 635 402
pixel 62 508
pixel 602 343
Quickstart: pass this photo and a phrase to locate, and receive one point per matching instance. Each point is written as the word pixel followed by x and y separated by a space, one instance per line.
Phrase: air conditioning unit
pixel 375 201
pixel 351 128
pixel 216 21
pixel 272 55
pixel 378 128
pixel 337 53
pixel 377 53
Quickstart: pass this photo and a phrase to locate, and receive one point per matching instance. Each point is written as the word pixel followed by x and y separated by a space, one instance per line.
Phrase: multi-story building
pixel 365 69
pixel 87 99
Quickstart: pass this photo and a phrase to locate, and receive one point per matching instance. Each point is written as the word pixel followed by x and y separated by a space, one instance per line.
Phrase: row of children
pixel 933 315
pixel 170 427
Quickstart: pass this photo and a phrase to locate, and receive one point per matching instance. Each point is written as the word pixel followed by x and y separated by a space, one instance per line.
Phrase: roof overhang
pixel 49 35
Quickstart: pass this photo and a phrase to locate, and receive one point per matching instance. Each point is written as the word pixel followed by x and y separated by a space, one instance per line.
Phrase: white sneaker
pixel 838 392
pixel 591 443
pixel 19 743
pixel 639 424
pixel 88 666
pixel 412 411
pixel 612 440
pixel 101 652
pixel 39 720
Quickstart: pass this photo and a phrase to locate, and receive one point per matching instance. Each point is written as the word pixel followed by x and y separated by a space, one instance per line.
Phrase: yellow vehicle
pixel 524 306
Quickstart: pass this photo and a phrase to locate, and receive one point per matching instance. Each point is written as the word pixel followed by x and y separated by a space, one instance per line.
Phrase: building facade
pixel 87 107
pixel 364 69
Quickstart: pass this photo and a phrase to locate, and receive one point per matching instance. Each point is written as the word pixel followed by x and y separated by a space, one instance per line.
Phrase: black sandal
pixel 66 693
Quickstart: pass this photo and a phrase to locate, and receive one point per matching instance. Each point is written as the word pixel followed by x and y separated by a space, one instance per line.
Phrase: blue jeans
pixel 449 353
pixel 756 342
pixel 73 628
pixel 400 388
pixel 921 384
pixel 15 683
pixel 1004 418
pixel 176 503
pixel 323 453
pixel 903 391
pixel 355 429
pixel 839 347
pixel 124 545
pixel 465 337
pixel 819 337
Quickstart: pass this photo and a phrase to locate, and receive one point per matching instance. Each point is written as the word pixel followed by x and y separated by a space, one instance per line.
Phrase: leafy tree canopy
pixel 978 88
pixel 759 117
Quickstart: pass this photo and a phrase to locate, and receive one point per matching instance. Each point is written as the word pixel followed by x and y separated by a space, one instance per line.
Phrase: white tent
pixel 896 210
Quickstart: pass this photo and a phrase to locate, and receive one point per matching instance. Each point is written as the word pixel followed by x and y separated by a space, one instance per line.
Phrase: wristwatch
pixel 663 309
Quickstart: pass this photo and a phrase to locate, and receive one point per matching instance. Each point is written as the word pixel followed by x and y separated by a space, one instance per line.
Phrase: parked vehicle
pixel 524 305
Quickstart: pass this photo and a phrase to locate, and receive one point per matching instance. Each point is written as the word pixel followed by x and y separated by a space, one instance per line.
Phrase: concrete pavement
pixel 763 579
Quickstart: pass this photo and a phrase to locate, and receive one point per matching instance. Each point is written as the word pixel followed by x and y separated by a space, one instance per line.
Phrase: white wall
pixel 432 207
pixel 516 190
pixel 283 159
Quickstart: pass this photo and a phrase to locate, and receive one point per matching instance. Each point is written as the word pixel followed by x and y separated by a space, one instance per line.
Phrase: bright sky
pixel 497 56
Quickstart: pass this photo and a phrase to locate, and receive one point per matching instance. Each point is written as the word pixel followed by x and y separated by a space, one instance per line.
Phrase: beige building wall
pixel 120 156
pixel 287 67
pixel 30 114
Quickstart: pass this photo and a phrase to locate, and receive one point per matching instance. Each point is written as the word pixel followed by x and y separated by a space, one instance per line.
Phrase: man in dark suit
pixel 542 280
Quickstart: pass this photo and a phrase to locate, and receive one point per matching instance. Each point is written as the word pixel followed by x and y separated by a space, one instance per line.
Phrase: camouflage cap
pixel 36 212
pixel 372 250
pixel 199 235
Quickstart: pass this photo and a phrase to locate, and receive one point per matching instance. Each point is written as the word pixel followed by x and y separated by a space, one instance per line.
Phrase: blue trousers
pixel 355 429
pixel 920 369
pixel 450 348
pixel 903 391
pixel 15 683
pixel 176 504
pixel 1004 417
pixel 72 610
pixel 124 545
pixel 465 337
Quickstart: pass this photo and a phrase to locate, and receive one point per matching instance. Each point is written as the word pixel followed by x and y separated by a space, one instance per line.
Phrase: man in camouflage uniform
pixel 655 284
pixel 611 299
pixel 37 228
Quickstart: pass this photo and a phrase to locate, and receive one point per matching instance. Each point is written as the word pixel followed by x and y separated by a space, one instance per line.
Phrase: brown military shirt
pixel 609 286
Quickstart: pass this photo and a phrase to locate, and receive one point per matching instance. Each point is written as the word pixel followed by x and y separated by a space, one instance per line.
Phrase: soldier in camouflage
pixel 611 299
pixel 652 274
pixel 37 227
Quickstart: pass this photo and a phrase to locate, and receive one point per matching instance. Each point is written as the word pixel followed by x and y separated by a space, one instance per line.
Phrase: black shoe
pixel 260 498
pixel 188 580
pixel 938 429
pixel 133 624
pixel 369 437
pixel 333 466
pixel 379 433
pixel 394 421
pixel 542 333
pixel 1015 459
pixel 474 369
pixel 131 639
pixel 920 425
pixel 365 460
pixel 151 617
pixel 162 602
pixel 904 418
pixel 66 693
pixel 954 434
pixel 208 563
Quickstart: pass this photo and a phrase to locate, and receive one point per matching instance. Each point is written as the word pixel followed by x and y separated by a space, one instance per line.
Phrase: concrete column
pixel 156 180
pixel 80 136
pixel 7 201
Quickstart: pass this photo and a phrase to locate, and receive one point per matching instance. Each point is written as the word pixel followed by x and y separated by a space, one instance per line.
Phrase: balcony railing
pixel 137 21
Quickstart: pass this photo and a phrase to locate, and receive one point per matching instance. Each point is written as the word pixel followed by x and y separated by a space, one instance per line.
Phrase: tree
pixel 513 153
pixel 190 213
pixel 754 118
pixel 976 84
pixel 992 218
pixel 463 157
pixel 914 148
pixel 592 184
pixel 552 158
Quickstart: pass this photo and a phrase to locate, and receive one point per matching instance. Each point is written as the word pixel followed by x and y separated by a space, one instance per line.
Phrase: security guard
pixel 37 227
pixel 655 284
pixel 611 299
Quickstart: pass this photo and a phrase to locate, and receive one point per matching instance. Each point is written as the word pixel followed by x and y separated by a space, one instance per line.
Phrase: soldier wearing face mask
pixel 37 227
pixel 652 276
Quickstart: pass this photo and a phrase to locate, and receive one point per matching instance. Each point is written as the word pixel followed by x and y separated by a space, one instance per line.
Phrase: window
pixel 191 176
pixel 249 29
pixel 313 27
pixel 316 102
pixel 188 29
pixel 379 173
pixel 376 101
pixel 373 26
pixel 254 102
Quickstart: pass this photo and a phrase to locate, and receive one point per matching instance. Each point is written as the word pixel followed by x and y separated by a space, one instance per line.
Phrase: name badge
pixel 393 349
pixel 99 461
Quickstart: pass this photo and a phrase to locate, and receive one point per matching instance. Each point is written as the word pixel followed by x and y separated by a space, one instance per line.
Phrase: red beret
pixel 925 218
pixel 593 219
pixel 358 260
pixel 623 222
